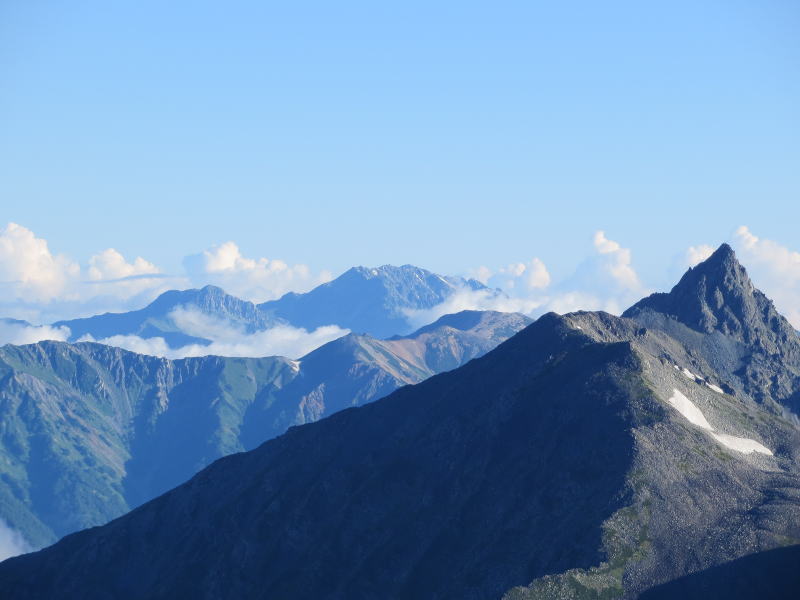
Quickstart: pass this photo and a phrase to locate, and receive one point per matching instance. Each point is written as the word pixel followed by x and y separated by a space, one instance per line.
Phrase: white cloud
pixel 467 299
pixel 110 264
pixel 40 286
pixel 22 333
pixel 604 281
pixel 775 269
pixel 28 270
pixel 528 276
pixel 254 279
pixel 697 254
pixel 481 274
pixel 11 542
pixel 616 262
pixel 537 276
pixel 228 339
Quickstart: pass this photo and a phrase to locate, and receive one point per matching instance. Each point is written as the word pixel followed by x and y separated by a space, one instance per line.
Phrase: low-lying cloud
pixel 11 542
pixel 605 281
pixel 22 333
pixel 227 338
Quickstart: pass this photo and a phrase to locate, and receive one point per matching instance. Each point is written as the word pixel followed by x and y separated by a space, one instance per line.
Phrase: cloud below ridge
pixel 23 333
pixel 11 542
pixel 605 280
pixel 227 338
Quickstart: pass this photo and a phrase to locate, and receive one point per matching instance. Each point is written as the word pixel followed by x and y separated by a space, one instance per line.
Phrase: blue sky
pixel 449 135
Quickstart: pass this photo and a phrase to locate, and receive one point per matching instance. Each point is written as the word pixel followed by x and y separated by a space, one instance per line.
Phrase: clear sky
pixel 444 134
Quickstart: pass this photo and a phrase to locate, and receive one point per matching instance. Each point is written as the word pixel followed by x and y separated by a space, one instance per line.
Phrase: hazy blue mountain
pixel 589 456
pixel 367 301
pixel 370 301
pixel 7 321
pixel 156 320
pixel 89 431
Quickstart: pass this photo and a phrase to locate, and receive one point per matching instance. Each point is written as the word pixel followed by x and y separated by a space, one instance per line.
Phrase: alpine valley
pixel 656 454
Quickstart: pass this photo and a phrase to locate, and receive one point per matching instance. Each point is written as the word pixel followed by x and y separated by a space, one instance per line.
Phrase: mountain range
pixel 89 431
pixel 158 319
pixel 372 301
pixel 588 456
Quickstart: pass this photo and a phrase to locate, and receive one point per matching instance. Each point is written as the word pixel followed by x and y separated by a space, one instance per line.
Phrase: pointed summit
pixel 717 295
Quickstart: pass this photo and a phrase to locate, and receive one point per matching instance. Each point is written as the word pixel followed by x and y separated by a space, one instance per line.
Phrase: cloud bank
pixel 605 280
pixel 227 338
pixel 41 286
pixel 11 542
pixel 23 333
pixel 255 279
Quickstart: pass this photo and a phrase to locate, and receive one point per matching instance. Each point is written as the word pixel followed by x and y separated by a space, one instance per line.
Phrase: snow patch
pixel 696 417
pixel 716 388
pixel 743 445
pixel 688 409
pixel 688 374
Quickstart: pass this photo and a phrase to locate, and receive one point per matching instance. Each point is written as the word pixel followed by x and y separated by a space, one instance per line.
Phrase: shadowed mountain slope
pixel 436 491
pixel 589 456
pixel 88 431
pixel 770 575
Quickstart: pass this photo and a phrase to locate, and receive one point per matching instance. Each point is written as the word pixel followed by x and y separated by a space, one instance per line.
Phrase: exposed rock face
pixel 88 431
pixel 569 462
pixel 746 338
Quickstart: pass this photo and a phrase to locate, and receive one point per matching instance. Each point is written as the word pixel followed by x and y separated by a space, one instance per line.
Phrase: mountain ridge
pixel 375 301
pixel 90 431
pixel 378 305
pixel 586 456
pixel 155 319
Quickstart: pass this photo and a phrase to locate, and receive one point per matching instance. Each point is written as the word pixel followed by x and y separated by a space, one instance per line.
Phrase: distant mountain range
pixel 370 301
pixel 588 456
pixel 374 302
pixel 88 431
pixel 157 319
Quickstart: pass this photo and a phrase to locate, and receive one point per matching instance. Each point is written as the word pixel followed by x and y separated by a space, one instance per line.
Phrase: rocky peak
pixel 718 295
pixel 749 342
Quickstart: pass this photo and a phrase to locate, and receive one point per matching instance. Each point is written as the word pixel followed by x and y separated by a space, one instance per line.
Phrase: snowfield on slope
pixel 695 416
